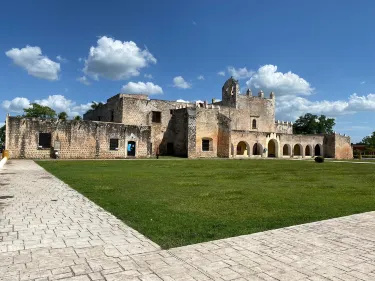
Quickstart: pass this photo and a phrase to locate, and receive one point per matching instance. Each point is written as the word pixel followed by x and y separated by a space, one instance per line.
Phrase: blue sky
pixel 317 56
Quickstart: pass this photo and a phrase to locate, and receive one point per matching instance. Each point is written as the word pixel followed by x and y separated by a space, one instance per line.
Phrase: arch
pixel 243 149
pixel 254 125
pixel 272 148
pixel 308 150
pixel 257 149
pixel 286 150
pixel 318 150
pixel 297 150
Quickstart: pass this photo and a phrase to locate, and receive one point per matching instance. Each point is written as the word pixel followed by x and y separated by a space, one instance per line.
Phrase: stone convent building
pixel 129 125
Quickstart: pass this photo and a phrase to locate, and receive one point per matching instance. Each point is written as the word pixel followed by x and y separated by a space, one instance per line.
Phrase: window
pixel 113 144
pixel 156 117
pixel 171 111
pixel 112 115
pixel 205 145
pixel 99 118
pixel 254 124
pixel 44 140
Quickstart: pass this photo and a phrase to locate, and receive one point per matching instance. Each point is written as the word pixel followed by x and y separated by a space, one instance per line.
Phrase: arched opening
pixel 254 126
pixel 242 149
pixel 131 148
pixel 257 149
pixel 308 150
pixel 272 148
pixel 318 150
pixel 286 150
pixel 232 149
pixel 297 151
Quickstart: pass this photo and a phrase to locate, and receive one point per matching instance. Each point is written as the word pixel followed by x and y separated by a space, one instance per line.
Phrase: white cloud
pixel 200 77
pixel 149 76
pixel 15 105
pixel 2 124
pixel 240 73
pixel 142 88
pixel 194 23
pixel 84 80
pixel 269 80
pixel 183 101
pixel 116 60
pixel 57 102
pixel 363 82
pixel 291 107
pixel 61 59
pixel 32 60
pixel 221 73
pixel 180 82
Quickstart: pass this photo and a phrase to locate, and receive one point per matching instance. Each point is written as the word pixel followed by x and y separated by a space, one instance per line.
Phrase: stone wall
pixel 338 146
pixel 78 139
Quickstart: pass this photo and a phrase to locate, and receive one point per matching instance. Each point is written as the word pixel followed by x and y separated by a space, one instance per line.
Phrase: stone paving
pixel 48 231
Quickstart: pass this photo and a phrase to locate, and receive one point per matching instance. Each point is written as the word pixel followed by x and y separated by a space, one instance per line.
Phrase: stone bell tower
pixel 230 92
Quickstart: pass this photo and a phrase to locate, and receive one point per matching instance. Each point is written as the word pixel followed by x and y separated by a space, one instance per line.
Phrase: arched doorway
pixel 286 150
pixel 272 148
pixel 318 150
pixel 131 148
pixel 242 149
pixel 297 151
pixel 308 150
pixel 257 149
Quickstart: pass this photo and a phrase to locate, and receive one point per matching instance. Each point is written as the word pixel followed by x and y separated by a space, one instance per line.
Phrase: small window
pixel 205 145
pixel 254 124
pixel 156 117
pixel 113 144
pixel 171 111
pixel 45 140
pixel 99 117
pixel 112 115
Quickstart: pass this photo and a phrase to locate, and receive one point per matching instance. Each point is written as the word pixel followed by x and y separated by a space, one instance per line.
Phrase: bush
pixel 319 159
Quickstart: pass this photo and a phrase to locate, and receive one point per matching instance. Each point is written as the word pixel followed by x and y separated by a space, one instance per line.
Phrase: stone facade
pixel 240 125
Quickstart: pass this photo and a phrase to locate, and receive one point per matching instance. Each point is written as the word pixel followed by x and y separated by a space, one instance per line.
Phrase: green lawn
pixel 180 202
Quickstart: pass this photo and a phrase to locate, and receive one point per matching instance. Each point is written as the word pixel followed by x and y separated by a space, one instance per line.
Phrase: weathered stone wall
pixel 282 127
pixel 206 128
pixel 110 112
pixel 307 145
pixel 78 139
pixel 343 148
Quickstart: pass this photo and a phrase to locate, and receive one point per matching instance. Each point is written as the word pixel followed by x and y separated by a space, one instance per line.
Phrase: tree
pixel 63 116
pixel 78 118
pixel 313 124
pixel 2 134
pixel 94 105
pixel 369 141
pixel 39 111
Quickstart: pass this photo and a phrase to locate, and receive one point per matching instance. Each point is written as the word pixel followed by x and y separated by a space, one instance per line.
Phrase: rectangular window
pixel 205 145
pixel 113 144
pixel 156 117
pixel 112 116
pixel 45 140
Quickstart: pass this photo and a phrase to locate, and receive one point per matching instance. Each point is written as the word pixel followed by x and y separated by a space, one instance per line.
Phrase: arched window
pixel 254 124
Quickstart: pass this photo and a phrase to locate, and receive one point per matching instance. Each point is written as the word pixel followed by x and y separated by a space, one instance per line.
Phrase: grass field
pixel 180 202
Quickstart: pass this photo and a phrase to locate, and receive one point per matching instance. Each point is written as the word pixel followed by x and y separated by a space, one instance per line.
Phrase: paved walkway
pixel 50 232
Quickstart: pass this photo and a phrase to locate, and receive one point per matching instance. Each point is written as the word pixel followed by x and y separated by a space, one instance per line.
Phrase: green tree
pixel 369 141
pixel 94 105
pixel 39 111
pixel 2 134
pixel 313 124
pixel 78 118
pixel 63 115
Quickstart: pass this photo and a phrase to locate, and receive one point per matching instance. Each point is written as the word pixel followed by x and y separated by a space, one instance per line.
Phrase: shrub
pixel 319 159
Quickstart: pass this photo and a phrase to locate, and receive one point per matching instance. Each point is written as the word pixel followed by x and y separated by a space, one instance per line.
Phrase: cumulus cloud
pixel 116 60
pixel 183 101
pixel 142 88
pixel 61 59
pixel 32 60
pixel 149 76
pixel 200 77
pixel 16 105
pixel 291 107
pixel 180 82
pixel 84 80
pixel 268 79
pixel 221 73
pixel 240 73
pixel 57 102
